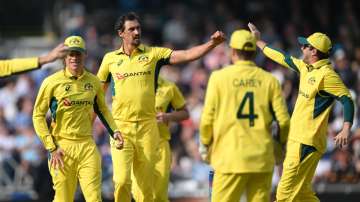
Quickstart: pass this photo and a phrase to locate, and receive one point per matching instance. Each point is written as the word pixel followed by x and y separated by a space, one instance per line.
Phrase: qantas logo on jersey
pixel 120 76
pixel 67 102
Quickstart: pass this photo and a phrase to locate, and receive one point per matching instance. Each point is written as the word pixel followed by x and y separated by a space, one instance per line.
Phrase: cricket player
pixel 241 102
pixel 20 65
pixel 170 107
pixel 72 95
pixel 133 71
pixel 319 87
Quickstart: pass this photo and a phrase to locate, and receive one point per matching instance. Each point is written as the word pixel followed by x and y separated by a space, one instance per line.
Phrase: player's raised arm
pixel 21 65
pixel 274 54
pixel 181 56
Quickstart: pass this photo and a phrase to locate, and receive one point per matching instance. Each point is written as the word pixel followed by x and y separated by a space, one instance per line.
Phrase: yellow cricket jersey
pixel 8 67
pixel 168 97
pixel 241 102
pixel 72 102
pixel 133 80
pixel 319 86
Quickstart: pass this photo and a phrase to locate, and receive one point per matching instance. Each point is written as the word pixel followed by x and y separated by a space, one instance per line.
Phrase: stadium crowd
pixel 181 24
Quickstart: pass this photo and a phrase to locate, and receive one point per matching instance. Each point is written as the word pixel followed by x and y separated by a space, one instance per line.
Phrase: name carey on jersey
pixel 120 76
pixel 247 82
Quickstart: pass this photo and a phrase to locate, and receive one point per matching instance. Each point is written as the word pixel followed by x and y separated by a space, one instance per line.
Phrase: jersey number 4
pixel 249 96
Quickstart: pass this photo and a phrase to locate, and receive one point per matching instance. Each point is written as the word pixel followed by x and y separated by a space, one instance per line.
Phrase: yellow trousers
pixel 228 187
pixel 138 156
pixel 298 170
pixel 161 175
pixel 82 162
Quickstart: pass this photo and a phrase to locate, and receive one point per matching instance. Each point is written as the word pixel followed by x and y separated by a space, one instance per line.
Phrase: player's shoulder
pixel 54 78
pixel 266 74
pixel 111 53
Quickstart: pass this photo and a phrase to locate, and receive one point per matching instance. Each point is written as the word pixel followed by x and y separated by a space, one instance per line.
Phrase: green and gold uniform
pixel 9 67
pixel 319 87
pixel 168 98
pixel 133 81
pixel 72 102
pixel 241 102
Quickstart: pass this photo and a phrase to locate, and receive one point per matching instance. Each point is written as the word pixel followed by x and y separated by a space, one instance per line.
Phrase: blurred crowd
pixel 177 25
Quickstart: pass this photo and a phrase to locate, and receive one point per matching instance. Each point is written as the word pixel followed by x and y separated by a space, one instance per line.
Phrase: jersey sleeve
pixel 284 59
pixel 103 111
pixel 162 54
pixel 280 113
pixel 104 71
pixel 9 67
pixel 41 107
pixel 333 86
pixel 178 100
pixel 208 114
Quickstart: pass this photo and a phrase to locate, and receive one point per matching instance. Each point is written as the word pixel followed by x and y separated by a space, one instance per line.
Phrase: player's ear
pixel 121 33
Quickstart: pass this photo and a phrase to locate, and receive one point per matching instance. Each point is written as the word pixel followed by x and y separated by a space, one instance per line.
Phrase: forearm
pixel 191 54
pixel 104 114
pixel 14 66
pixel 177 116
pixel 261 44
pixel 43 132
pixel 206 128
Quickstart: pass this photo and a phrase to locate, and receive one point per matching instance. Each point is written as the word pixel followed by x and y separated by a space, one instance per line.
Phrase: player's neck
pixel 128 48
pixel 76 72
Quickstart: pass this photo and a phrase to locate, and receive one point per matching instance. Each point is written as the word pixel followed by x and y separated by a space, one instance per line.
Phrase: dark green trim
pixel 53 108
pixel 287 59
pixel 348 108
pixel 323 100
pixel 276 135
pixel 102 118
pixel 112 85
pixel 169 108
pixel 108 78
pixel 306 150
pixel 158 65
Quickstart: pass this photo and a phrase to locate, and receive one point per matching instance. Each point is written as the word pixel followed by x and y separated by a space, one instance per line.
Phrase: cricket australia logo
pixel 143 58
pixel 120 62
pixel 311 81
pixel 88 86
pixel 74 41
pixel 67 87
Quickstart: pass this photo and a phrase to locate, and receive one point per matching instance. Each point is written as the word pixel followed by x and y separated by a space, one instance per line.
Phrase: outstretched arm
pixel 196 52
pixel 20 65
pixel 276 55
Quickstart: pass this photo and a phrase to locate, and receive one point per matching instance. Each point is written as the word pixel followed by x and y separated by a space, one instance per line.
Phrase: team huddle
pixel 242 101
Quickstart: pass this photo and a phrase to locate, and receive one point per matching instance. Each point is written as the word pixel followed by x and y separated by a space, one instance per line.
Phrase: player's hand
pixel 56 160
pixel 119 141
pixel 204 152
pixel 255 32
pixel 342 138
pixel 218 37
pixel 162 117
pixel 57 53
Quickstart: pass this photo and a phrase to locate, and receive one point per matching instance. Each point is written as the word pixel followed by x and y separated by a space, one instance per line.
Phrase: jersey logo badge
pixel 88 86
pixel 311 81
pixel 143 58
pixel 67 87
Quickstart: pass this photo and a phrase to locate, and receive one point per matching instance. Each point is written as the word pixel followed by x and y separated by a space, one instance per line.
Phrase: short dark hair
pixel 246 55
pixel 119 25
pixel 322 55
